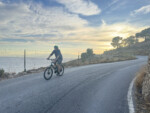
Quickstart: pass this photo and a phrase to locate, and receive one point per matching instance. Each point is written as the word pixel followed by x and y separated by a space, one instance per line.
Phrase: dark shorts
pixel 59 61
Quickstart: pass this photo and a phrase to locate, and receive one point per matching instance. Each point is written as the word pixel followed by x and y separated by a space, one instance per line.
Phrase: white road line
pixel 129 98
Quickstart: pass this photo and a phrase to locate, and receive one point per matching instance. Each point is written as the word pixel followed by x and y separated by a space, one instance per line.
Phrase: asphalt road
pixel 100 88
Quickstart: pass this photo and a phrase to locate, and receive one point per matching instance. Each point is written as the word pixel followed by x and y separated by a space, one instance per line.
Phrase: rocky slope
pixel 142 93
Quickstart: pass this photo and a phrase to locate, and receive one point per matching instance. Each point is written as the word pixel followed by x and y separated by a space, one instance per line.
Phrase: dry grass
pixel 142 105
pixel 139 79
pixel 98 59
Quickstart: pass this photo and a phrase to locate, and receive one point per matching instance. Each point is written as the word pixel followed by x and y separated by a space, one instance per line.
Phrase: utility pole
pixel 78 58
pixel 24 60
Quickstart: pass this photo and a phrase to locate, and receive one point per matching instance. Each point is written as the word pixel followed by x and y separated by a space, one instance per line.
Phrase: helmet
pixel 56 47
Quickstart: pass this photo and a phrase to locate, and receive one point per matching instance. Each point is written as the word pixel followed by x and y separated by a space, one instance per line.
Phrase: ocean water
pixel 16 64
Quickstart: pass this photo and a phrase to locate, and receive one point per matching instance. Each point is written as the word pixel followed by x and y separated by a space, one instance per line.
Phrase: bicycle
pixel 48 73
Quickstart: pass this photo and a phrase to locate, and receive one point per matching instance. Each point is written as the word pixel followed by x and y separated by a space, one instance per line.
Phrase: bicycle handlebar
pixel 50 59
pixel 53 60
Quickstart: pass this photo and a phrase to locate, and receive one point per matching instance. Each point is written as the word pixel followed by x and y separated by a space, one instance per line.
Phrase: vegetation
pixel 140 103
pixel 6 75
pixel 131 44
pixel 118 42
pixel 87 55
pixel 130 41
pixel 141 48
pixel 142 89
pixel 1 73
pixel 139 79
pixel 144 34
pixel 98 59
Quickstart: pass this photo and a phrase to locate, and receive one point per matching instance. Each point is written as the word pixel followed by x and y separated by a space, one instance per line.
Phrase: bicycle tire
pixel 48 71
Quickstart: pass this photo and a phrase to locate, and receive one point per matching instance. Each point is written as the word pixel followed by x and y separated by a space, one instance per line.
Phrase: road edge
pixel 129 97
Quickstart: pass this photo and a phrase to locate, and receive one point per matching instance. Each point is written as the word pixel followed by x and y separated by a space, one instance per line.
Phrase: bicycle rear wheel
pixel 48 73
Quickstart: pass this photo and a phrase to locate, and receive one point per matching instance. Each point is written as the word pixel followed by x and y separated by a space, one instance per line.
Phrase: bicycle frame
pixel 52 65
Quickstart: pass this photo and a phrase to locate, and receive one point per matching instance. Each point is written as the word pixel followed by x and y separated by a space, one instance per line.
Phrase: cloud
pixel 21 19
pixel 112 3
pixel 30 25
pixel 117 5
pixel 1 4
pixel 102 34
pixel 83 7
pixel 103 22
pixel 142 10
pixel 14 40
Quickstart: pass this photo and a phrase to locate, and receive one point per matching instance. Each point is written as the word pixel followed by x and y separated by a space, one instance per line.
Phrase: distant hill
pixel 140 48
pixel 119 54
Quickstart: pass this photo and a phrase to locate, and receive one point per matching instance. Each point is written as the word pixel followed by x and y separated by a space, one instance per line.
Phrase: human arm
pixel 50 55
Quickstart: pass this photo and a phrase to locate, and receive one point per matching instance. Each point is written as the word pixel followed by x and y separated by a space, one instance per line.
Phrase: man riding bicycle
pixel 58 59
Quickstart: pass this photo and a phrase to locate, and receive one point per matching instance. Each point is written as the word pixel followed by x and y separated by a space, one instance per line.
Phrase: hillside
pixel 107 57
pixel 142 92
pixel 140 48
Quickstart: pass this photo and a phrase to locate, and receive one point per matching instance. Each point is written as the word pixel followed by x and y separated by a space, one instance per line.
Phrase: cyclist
pixel 58 59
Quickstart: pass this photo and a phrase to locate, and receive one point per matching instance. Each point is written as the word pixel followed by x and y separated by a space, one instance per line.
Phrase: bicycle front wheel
pixel 48 73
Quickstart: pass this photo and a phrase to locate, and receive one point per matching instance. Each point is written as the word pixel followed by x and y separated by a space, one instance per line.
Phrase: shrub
pixel 2 72
pixel 139 80
pixel 87 55
pixel 84 56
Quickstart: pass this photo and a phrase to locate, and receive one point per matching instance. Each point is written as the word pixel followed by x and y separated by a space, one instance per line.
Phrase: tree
pixel 116 42
pixel 144 34
pixel 130 40
pixel 83 56
pixel 89 52
pixel 2 72
pixel 136 40
pixel 137 35
pixel 124 43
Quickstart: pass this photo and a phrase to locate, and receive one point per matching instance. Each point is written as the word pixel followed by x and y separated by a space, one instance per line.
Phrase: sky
pixel 73 25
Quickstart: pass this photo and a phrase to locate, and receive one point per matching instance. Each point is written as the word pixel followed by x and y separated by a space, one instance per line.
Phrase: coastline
pixel 69 64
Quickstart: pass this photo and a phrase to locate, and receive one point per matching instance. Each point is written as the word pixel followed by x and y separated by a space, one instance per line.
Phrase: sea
pixel 16 64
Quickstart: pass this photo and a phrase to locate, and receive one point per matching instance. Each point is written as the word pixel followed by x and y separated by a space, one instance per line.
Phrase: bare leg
pixel 59 67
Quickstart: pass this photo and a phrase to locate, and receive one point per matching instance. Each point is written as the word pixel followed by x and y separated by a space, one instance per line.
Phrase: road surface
pixel 99 88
